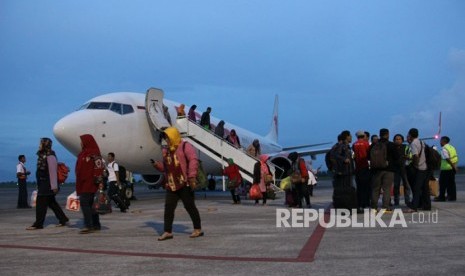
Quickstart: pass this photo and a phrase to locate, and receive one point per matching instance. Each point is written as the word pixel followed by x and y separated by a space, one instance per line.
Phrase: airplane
pixel 119 123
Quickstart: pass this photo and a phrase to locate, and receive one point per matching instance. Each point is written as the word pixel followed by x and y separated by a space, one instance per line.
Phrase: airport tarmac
pixel 239 240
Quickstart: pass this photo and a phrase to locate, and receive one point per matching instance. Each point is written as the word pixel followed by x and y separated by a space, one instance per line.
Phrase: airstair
pixel 204 140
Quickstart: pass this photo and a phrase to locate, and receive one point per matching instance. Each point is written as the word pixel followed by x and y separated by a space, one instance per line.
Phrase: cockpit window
pixel 115 107
pixel 84 106
pixel 127 109
pixel 98 105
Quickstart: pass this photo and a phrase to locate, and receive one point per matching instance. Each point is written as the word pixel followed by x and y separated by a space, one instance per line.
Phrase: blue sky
pixel 334 64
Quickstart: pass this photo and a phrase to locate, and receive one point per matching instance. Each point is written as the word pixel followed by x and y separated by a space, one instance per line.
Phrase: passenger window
pixel 127 109
pixel 116 107
pixel 98 105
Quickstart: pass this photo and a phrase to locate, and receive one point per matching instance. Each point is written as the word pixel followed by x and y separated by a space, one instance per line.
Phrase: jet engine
pixel 154 181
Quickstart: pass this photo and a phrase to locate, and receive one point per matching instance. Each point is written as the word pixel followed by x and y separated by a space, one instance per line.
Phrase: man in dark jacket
pixel 383 176
pixel 342 155
pixel 205 119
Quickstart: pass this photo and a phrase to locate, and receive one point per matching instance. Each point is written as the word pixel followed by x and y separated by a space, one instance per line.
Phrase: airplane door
pixel 154 109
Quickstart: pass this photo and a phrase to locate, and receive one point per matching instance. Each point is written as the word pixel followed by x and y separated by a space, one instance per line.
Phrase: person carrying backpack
pixel 115 183
pixel 383 157
pixel 299 179
pixel 180 167
pixel 420 187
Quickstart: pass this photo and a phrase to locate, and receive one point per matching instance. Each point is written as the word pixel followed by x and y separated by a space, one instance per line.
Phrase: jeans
pixel 399 175
pixel 421 190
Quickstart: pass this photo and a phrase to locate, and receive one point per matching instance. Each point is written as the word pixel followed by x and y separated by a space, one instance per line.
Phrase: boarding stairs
pixel 204 140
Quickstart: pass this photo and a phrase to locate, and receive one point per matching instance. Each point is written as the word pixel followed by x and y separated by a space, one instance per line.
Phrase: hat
pixel 360 133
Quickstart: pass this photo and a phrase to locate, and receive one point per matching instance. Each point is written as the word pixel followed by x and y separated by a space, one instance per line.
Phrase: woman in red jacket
pixel 89 175
pixel 234 180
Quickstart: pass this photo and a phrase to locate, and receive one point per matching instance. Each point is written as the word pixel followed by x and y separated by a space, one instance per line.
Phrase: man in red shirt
pixel 362 170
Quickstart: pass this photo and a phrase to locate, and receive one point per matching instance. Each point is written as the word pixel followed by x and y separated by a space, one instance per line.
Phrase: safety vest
pixel 408 154
pixel 445 166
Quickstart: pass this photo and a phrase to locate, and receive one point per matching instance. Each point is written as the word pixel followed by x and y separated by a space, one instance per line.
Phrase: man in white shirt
pixel 420 186
pixel 21 174
pixel 114 183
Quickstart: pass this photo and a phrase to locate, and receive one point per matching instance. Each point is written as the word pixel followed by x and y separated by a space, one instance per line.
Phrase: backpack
pixel 202 181
pixel 62 172
pixel 121 173
pixel 433 158
pixel 378 156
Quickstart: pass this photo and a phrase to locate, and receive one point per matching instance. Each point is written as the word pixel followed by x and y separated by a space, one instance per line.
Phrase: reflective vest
pixel 445 166
pixel 408 154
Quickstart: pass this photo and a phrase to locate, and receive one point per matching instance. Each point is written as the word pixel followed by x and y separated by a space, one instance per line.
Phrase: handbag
pixel 73 203
pixel 102 204
pixel 255 192
pixel 433 187
pixel 268 178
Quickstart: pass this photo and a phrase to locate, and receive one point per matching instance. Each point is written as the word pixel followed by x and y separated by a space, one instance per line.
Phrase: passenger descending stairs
pixel 216 148
pixel 205 141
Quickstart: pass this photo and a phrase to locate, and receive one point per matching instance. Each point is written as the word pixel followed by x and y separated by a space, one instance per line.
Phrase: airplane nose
pixel 66 132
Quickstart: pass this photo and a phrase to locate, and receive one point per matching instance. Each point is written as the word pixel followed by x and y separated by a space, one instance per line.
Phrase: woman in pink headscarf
pixel 262 176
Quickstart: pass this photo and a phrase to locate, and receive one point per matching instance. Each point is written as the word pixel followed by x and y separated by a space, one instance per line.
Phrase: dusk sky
pixel 334 64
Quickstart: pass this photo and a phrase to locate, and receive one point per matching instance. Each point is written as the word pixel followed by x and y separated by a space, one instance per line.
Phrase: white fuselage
pixel 129 135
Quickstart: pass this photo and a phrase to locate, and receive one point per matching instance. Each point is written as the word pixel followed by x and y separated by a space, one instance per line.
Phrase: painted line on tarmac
pixel 306 254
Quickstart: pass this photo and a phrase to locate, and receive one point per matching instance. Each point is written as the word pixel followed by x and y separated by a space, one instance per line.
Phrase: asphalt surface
pixel 239 240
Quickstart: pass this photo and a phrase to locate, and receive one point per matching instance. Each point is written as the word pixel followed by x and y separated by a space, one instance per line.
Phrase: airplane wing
pixel 305 146
pixel 313 153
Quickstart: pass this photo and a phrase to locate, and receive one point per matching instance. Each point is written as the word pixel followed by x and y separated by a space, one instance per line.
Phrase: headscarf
pixel 86 165
pixel 230 161
pixel 89 146
pixel 293 156
pixel 174 137
pixel 181 111
pixel 45 149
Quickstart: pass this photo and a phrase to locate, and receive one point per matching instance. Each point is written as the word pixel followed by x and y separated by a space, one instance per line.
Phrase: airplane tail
pixel 273 134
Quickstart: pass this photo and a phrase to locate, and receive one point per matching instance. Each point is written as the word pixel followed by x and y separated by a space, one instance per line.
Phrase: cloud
pixel 449 101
